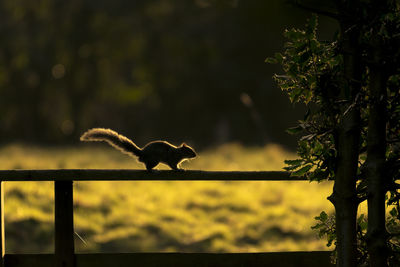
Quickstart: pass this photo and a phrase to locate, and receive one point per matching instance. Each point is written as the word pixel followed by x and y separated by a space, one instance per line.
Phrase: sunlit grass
pixel 192 216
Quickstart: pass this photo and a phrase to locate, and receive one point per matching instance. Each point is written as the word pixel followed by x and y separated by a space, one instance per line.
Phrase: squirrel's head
pixel 188 151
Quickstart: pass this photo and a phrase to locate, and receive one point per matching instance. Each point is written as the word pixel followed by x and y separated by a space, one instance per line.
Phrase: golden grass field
pixel 179 216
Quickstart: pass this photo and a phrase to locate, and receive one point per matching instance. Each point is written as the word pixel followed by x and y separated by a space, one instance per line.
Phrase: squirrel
pixel 151 154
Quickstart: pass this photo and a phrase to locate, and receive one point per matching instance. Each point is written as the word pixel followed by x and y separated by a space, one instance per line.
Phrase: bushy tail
pixel 118 141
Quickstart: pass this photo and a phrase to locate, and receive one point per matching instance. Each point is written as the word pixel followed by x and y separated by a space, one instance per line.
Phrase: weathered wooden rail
pixel 64 251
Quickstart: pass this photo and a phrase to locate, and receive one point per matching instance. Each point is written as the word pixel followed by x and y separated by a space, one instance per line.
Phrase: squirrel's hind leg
pixel 150 165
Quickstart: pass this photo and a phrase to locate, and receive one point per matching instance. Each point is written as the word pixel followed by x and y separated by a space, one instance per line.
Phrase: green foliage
pixel 393 226
pixel 308 64
pixel 313 75
pixel 326 228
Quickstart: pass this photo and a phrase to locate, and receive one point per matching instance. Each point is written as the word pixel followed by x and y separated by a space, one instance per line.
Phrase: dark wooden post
pixel 2 233
pixel 64 224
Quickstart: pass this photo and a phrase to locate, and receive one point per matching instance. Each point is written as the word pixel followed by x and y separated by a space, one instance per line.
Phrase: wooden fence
pixel 64 251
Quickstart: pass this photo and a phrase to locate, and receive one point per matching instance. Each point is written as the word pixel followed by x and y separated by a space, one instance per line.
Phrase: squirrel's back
pixel 162 151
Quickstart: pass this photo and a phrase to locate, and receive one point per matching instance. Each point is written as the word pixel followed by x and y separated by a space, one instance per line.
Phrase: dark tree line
pixel 150 69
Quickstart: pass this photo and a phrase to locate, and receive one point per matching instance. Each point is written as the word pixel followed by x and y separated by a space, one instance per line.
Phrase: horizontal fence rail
pixel 143 175
pixel 275 259
pixel 64 253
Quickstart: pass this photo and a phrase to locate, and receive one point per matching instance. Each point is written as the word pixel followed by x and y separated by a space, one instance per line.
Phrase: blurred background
pixel 150 69
pixel 178 70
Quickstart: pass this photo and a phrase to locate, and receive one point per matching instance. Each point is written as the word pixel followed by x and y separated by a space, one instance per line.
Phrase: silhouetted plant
pixel 351 129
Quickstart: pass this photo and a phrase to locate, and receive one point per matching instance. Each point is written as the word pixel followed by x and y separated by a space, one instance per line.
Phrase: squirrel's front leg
pixel 174 166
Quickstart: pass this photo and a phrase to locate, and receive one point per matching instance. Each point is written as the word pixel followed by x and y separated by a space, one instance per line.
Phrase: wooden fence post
pixel 2 233
pixel 64 224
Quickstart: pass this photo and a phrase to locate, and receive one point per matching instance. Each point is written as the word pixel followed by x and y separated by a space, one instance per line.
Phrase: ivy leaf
pixel 393 212
pixel 319 175
pixel 359 219
pixel 323 217
pixel 331 238
pixel 293 161
pixel 312 24
pixel 308 137
pixel 293 164
pixel 317 226
pixel 294 130
pixel 271 60
pixel 302 170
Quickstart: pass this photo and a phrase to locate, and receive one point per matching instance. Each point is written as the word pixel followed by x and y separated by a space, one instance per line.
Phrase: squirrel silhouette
pixel 151 154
